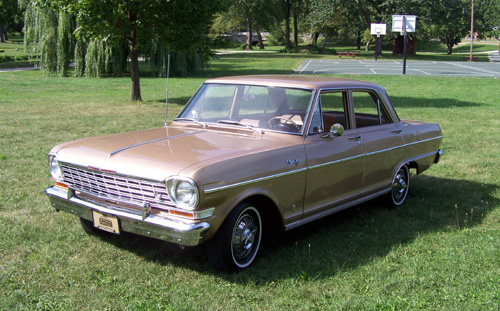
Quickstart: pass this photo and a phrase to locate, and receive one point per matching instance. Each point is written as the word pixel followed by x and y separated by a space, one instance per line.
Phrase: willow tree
pixel 49 33
pixel 100 28
pixel 183 24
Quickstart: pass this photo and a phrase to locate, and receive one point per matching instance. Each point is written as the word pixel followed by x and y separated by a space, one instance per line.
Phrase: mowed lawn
pixel 439 251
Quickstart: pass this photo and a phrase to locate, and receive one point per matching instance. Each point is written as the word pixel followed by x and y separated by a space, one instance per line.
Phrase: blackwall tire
pixel 88 226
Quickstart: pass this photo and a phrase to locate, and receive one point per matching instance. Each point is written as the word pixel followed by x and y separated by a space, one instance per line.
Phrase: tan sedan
pixel 246 154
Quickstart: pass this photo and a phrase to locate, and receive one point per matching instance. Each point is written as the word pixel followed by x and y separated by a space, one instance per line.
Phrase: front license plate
pixel 106 223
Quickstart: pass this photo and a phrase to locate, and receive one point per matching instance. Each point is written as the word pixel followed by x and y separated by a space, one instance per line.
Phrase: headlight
pixel 55 168
pixel 183 192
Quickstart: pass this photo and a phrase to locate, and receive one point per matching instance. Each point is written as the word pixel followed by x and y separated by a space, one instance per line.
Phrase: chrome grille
pixel 116 187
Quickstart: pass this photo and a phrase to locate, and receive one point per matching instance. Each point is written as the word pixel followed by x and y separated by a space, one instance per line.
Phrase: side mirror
pixel 337 130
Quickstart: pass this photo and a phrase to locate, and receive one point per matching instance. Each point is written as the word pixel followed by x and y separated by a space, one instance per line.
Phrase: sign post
pixel 404 24
pixel 378 29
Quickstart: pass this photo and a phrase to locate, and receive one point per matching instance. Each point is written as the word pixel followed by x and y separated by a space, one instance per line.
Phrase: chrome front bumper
pixel 188 234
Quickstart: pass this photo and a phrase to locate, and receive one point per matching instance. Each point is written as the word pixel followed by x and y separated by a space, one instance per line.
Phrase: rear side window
pixel 368 109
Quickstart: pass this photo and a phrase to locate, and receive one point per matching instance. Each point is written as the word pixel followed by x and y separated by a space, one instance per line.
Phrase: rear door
pixel 382 137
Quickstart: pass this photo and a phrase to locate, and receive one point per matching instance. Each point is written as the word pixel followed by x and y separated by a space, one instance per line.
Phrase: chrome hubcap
pixel 399 185
pixel 244 236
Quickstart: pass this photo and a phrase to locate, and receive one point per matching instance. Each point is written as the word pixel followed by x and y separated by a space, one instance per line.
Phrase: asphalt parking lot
pixel 383 67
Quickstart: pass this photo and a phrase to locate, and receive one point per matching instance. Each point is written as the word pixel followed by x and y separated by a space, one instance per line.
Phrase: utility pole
pixel 472 32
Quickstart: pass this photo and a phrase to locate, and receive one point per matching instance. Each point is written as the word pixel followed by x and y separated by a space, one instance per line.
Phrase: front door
pixel 335 164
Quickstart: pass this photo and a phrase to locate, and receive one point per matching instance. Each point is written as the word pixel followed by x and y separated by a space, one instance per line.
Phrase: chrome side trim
pixel 335 209
pixel 337 161
pixel 423 141
pixel 373 153
pixel 402 146
pixel 322 165
pixel 253 181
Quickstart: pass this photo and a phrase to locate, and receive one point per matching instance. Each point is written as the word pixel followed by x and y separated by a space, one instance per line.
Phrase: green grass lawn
pixel 439 251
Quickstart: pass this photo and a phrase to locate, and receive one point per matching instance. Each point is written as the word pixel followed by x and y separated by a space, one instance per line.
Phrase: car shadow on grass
pixel 342 241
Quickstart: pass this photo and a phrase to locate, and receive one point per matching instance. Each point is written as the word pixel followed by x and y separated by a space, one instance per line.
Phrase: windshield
pixel 260 107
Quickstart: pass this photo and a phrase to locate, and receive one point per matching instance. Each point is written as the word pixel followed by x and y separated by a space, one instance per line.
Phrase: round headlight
pixel 55 168
pixel 183 192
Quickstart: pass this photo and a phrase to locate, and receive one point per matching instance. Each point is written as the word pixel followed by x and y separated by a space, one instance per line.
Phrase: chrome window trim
pixel 314 92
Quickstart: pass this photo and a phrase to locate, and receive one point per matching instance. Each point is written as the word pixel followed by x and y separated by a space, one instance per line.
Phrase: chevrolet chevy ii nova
pixel 246 154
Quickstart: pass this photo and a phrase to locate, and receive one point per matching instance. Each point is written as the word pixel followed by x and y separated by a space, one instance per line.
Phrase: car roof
pixel 297 80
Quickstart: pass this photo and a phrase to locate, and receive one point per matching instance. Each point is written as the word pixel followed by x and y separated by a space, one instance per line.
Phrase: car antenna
pixel 166 91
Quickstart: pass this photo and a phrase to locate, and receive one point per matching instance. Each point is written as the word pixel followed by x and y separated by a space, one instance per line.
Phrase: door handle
pixel 357 137
pixel 398 131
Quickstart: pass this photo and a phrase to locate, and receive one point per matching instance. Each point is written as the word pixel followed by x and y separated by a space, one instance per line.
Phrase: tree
pixel 449 20
pixel 138 22
pixel 323 18
pixel 9 14
pixel 255 14
pixel 487 17
pixel 245 10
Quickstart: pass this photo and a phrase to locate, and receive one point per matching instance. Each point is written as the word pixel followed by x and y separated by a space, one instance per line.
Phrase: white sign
pixel 379 29
pixel 397 23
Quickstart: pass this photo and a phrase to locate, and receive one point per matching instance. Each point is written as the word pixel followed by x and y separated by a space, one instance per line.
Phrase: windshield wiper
pixel 204 125
pixel 248 126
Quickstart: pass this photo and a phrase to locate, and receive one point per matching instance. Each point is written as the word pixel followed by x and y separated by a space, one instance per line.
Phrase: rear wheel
pixel 237 242
pixel 400 186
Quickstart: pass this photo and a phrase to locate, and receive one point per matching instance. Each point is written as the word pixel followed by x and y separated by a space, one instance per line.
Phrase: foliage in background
pixel 10 18
pixel 97 31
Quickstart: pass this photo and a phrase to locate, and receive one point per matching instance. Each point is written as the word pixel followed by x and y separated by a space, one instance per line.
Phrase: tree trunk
pixel 135 93
pixel 324 41
pixel 358 40
pixel 314 38
pixel 2 33
pixel 286 8
pixel 449 45
pixel 249 34
pixel 295 29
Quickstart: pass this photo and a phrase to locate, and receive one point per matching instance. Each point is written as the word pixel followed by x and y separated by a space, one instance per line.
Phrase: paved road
pixel 420 68
pixel 19 69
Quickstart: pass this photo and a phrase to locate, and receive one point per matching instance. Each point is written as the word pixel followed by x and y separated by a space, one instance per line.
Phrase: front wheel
pixel 237 242
pixel 88 226
pixel 400 186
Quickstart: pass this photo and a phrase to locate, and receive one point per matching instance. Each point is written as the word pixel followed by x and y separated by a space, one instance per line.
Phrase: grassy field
pixel 439 251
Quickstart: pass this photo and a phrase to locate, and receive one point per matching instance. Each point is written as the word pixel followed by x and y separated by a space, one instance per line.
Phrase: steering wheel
pixel 288 126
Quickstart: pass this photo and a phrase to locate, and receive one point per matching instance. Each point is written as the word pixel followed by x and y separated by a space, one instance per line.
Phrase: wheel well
pixel 413 165
pixel 271 217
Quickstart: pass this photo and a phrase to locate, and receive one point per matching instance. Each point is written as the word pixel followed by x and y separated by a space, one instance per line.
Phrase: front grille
pixel 116 187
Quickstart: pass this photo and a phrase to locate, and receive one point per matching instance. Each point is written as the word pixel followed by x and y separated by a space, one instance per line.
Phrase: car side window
pixel 330 109
pixel 368 109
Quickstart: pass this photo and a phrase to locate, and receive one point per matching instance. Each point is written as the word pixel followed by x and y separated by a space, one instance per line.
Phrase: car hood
pixel 162 152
